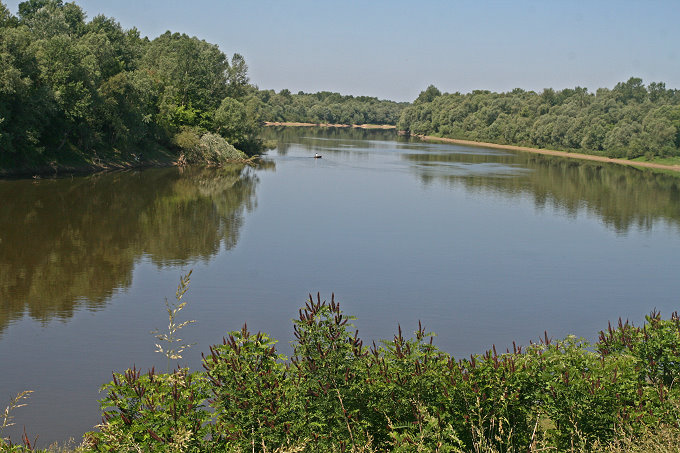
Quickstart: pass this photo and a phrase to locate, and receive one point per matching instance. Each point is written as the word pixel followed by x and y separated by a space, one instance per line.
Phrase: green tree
pixel 6 18
pixel 26 107
pixel 237 77
pixel 50 18
pixel 230 120
pixel 190 75
pixel 631 90
pixel 430 93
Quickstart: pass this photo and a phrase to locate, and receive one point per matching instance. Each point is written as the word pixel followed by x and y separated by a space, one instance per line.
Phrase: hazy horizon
pixel 393 50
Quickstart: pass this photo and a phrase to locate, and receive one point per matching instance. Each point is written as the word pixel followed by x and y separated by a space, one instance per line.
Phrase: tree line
pixel 72 88
pixel 328 107
pixel 631 120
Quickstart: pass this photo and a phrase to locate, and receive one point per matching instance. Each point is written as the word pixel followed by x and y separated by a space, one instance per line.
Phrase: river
pixel 483 246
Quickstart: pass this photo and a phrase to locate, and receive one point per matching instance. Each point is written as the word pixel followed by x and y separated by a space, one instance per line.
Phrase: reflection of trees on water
pixel 67 242
pixel 204 212
pixel 621 196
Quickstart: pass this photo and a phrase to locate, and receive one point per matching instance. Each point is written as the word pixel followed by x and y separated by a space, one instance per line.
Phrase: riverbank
pixel 157 158
pixel 78 164
pixel 356 126
pixel 550 152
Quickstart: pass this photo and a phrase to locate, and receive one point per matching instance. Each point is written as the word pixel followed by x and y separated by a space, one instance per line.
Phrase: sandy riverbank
pixel 551 152
pixel 357 126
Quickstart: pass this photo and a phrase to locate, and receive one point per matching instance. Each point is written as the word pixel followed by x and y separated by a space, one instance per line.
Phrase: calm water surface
pixel 483 246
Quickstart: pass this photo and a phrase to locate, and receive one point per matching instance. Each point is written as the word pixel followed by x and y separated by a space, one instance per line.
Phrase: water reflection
pixel 68 243
pixel 622 197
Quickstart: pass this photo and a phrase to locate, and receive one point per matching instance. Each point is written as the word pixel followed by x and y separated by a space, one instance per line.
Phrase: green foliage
pixel 231 121
pixel 584 397
pixel 657 439
pixel 187 138
pixel 153 412
pixel 326 376
pixel 68 87
pixel 428 435
pixel 247 379
pixel 6 18
pixel 628 121
pixel 406 395
pixel 428 95
pixel 326 107
pixel 192 72
pixel 238 77
pixel 655 347
pixel 210 149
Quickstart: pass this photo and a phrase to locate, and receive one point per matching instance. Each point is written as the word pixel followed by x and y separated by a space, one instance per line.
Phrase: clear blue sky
pixel 394 49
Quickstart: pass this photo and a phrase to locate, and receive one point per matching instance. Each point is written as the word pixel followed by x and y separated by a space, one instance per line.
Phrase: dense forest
pixel 327 107
pixel 71 89
pixel 631 120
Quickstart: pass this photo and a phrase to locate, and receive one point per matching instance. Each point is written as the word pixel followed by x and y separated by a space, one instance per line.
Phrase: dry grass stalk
pixel 14 404
pixel 175 346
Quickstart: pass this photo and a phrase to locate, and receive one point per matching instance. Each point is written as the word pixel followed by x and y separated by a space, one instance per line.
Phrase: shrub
pixel 209 149
pixel 406 395
pixel 187 138
pixel 214 149
pixel 247 382
pixel 153 412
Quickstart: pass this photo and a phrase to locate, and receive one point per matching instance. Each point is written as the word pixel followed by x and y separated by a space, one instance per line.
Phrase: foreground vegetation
pixel 336 394
pixel 629 121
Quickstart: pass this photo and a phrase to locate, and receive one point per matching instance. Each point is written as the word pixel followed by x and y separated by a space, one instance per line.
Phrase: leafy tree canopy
pixel 630 120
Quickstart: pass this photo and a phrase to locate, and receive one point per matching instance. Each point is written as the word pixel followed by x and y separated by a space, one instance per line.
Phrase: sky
pixel 395 49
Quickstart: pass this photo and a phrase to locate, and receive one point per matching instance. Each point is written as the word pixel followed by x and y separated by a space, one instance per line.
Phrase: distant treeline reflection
pixel 86 234
pixel 623 197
